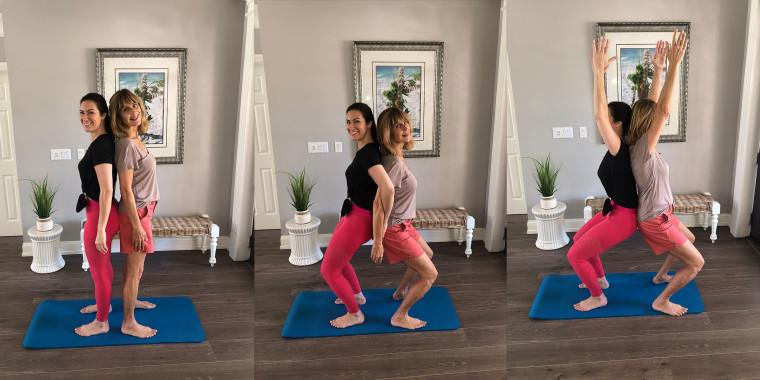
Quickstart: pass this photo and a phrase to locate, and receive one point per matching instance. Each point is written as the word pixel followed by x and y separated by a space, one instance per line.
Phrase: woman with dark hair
pixel 139 194
pixel 366 179
pixel 401 242
pixel 617 222
pixel 97 173
pixel 660 229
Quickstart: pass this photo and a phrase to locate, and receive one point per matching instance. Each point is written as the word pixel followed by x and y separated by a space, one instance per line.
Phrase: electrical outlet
pixel 80 153
pixel 60 154
pixel 562 132
pixel 338 147
pixel 582 132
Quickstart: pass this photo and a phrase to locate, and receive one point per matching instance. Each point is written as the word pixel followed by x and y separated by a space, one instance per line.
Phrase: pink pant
pixel 100 263
pixel 596 236
pixel 352 231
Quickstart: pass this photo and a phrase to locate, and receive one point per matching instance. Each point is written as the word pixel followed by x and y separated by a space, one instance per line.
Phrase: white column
pixel 496 196
pixel 747 135
pixel 241 207
pixel 46 249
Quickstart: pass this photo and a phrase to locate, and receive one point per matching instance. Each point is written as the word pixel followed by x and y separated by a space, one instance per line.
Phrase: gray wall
pixel 549 44
pixel 309 71
pixel 50 47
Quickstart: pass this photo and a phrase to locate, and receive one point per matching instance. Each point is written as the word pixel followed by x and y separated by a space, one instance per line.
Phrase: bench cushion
pixel 169 226
pixel 440 218
pixel 682 203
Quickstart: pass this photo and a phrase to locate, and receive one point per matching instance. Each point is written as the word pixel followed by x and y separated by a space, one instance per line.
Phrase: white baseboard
pixel 179 243
pixel 689 220
pixel 430 236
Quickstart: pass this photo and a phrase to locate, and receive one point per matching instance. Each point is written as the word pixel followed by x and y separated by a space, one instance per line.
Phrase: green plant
pixel 42 196
pixel 300 190
pixel 545 175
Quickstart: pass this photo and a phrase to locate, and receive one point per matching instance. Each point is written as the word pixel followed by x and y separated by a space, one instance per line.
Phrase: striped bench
pixel 682 204
pixel 447 218
pixel 175 226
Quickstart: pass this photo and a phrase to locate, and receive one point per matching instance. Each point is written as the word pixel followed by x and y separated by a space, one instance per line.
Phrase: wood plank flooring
pixel 223 298
pixel 721 343
pixel 477 350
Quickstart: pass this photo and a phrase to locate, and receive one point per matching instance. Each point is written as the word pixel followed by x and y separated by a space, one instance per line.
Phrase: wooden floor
pixel 721 343
pixel 477 350
pixel 223 297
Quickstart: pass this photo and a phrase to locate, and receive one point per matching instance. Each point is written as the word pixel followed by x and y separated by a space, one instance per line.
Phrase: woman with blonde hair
pixel 139 194
pixel 660 229
pixel 398 240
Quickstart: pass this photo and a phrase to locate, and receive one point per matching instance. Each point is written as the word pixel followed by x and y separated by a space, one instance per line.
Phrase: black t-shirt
pixel 361 187
pixel 100 151
pixel 617 178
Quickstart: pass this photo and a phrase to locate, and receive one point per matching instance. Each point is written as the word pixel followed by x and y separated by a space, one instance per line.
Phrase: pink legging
pixel 352 231
pixel 100 263
pixel 596 236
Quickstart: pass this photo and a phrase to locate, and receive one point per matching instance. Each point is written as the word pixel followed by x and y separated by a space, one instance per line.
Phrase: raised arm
pixel 675 55
pixel 658 61
pixel 599 64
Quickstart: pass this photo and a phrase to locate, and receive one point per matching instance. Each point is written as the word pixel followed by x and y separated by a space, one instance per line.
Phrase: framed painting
pixel 407 75
pixel 629 77
pixel 157 76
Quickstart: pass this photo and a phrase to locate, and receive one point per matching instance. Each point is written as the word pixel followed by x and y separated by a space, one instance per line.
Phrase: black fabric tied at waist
pixel 607 207
pixel 81 202
pixel 346 207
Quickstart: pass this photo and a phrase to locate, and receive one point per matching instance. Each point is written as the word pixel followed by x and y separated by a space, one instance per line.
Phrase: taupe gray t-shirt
pixel 144 183
pixel 652 178
pixel 405 190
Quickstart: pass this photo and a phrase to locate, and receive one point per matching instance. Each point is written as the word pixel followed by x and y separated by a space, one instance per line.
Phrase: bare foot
pixel 591 303
pixel 668 307
pixel 602 282
pixel 661 279
pixel 138 330
pixel 399 295
pixel 407 322
pixel 93 309
pixel 93 328
pixel 358 296
pixel 138 305
pixel 349 319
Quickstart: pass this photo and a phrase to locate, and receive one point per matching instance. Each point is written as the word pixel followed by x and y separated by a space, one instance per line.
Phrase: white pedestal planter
pixel 46 249
pixel 304 242
pixel 551 227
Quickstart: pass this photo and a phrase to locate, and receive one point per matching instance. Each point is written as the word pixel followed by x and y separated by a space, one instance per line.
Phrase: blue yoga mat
pixel 53 324
pixel 629 294
pixel 311 313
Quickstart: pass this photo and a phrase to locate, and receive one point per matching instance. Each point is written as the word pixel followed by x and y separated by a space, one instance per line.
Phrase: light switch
pixel 318 147
pixel 582 132
pixel 562 132
pixel 60 154
pixel 80 153
pixel 338 147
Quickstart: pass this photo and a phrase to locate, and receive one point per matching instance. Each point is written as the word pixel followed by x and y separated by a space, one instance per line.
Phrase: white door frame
pixel 241 206
pixel 496 207
pixel 10 218
pixel 516 203
pixel 747 137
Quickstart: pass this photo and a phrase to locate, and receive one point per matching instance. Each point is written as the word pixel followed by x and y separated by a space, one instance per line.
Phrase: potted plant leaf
pixel 299 189
pixel 42 196
pixel 546 177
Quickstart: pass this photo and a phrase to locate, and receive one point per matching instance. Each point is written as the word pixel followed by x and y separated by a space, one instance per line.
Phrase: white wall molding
pixel 430 236
pixel 496 190
pixel 241 207
pixel 747 136
pixel 178 243
pixel 689 220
